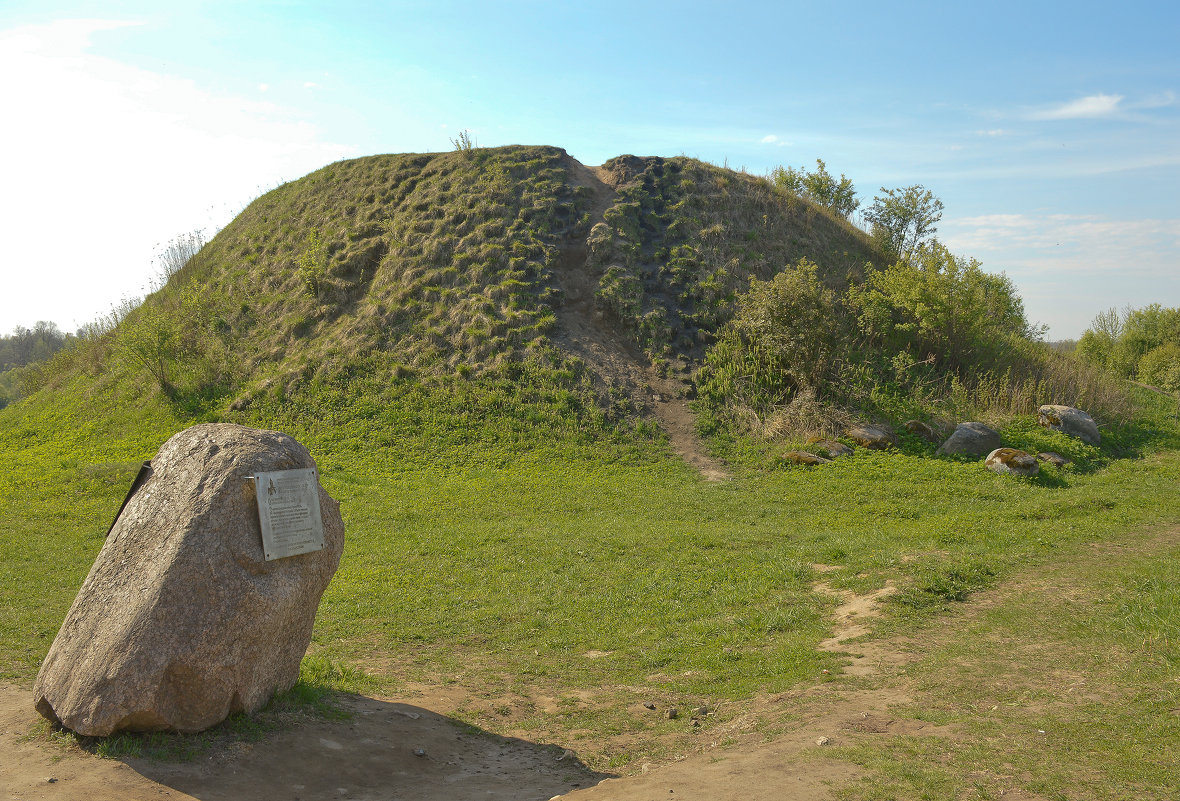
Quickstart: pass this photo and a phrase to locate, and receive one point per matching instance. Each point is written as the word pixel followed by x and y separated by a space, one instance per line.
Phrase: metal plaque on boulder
pixel 289 512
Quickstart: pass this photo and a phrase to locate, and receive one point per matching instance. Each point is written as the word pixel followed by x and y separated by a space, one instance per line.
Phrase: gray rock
pixel 970 439
pixel 831 448
pixel 1053 458
pixel 1012 462
pixel 1071 421
pixel 922 430
pixel 181 621
pixel 874 437
pixel 803 457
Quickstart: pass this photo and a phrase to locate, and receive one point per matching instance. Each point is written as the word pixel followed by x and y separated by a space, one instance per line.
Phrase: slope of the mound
pixel 459 262
pixel 488 284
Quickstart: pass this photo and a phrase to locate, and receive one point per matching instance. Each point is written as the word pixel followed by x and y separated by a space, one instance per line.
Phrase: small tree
pixel 313 264
pixel 152 338
pixel 903 219
pixel 820 187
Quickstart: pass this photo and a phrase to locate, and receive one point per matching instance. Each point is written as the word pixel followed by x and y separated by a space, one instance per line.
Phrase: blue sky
pixel 1050 130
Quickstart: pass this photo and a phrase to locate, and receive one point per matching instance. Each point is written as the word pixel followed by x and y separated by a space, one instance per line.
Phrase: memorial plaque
pixel 289 512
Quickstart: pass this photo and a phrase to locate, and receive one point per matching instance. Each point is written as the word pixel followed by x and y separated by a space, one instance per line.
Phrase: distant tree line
pixel 31 345
pixel 1142 344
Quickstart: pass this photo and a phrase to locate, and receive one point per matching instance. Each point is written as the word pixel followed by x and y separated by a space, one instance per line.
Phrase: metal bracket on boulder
pixel 145 472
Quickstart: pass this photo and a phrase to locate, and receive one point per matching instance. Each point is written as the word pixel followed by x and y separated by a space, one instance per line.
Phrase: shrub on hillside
pixel 785 338
pixel 934 336
pixel 942 306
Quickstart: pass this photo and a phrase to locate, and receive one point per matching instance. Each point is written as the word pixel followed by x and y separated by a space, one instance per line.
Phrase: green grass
pixel 1067 687
pixel 516 561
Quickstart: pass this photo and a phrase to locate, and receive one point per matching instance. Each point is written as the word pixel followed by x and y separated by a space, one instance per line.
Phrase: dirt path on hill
pixel 613 357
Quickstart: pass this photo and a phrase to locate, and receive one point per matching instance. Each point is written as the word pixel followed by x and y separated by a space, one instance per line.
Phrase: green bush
pixel 785 338
pixel 941 306
pixel 1160 367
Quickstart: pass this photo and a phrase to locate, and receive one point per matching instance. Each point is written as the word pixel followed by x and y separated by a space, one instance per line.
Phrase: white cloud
pixel 769 139
pixel 1092 243
pixel 109 160
pixel 1068 267
pixel 1091 107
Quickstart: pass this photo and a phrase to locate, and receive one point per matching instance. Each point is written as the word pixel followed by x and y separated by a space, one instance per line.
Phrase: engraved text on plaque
pixel 289 512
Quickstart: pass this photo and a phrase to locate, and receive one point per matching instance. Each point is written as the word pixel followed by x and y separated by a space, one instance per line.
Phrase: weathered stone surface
pixel 1012 461
pixel 831 448
pixel 181 621
pixel 1071 421
pixel 803 457
pixel 970 439
pixel 1053 458
pixel 922 430
pixel 874 437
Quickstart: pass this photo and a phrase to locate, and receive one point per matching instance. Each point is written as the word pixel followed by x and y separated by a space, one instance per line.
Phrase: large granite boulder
pixel 970 439
pixel 1071 421
pixel 182 621
pixel 1011 461
pixel 874 437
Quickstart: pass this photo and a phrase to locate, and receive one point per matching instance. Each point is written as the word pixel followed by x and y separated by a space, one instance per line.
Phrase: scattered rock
pixel 874 437
pixel 648 705
pixel 970 439
pixel 1010 460
pixel 671 713
pixel 1053 458
pixel 831 448
pixel 803 457
pixel 181 620
pixel 701 711
pixel 1071 421
pixel 824 741
pixel 922 430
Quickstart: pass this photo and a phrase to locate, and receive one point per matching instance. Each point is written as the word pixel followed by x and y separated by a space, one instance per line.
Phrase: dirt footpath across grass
pixel 1062 682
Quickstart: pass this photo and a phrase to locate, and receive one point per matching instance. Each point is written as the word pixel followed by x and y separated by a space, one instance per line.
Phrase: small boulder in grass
pixel 922 430
pixel 805 458
pixel 831 448
pixel 970 439
pixel 1013 462
pixel 1053 458
pixel 1070 421
pixel 874 437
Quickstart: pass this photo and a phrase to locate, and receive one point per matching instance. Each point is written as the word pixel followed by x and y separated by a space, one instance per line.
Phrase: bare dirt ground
pixel 611 355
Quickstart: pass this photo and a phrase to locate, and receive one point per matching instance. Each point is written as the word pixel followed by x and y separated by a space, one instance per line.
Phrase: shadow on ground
pixel 383 750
